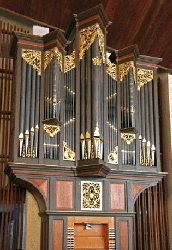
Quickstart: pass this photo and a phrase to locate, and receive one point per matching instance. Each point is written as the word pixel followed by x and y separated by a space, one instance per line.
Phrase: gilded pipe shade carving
pixel 69 62
pixel 124 68
pixel 49 54
pixel 143 77
pixel 128 137
pixel 113 156
pixel 33 57
pixel 68 154
pixel 86 38
pixel 111 70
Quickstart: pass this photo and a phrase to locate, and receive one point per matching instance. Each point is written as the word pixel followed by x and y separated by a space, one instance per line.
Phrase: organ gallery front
pixel 85 132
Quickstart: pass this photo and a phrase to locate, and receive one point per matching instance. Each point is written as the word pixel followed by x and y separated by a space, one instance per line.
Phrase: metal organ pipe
pixel 95 82
pixel 82 63
pixel 147 127
pixel 88 91
pixel 55 84
pixel 32 110
pixel 131 99
pixel 22 106
pixel 37 114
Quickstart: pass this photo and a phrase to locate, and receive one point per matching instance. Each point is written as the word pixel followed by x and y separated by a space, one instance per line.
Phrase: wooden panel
pixel 96 231
pixel 58 234
pixel 90 243
pixel 41 183
pixel 137 188
pixel 94 238
pixel 64 194
pixel 123 234
pixel 102 220
pixel 117 196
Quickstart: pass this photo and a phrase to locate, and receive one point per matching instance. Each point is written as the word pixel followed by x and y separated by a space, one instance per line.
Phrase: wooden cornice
pixel 85 168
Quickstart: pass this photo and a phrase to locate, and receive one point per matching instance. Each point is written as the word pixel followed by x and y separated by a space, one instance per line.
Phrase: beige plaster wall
pixel 33 224
pixel 166 144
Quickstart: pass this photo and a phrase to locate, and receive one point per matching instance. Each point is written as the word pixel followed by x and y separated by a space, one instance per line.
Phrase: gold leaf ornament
pixel 124 68
pixel 69 62
pixel 143 77
pixel 49 54
pixel 33 57
pixel 86 38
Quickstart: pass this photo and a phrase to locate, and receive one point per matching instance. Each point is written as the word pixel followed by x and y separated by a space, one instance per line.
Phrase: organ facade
pixel 85 132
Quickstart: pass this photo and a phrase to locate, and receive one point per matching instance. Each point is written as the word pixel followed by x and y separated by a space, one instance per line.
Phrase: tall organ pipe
pixel 115 103
pixel 51 89
pixel 37 114
pixel 82 63
pixel 55 84
pixel 95 83
pixel 131 91
pixel 48 91
pixel 88 91
pixel 32 109
pixel 147 113
pixel 125 102
pixel 122 104
pixel 142 111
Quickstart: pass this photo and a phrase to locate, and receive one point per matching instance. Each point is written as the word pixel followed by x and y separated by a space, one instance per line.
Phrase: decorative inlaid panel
pixel 123 234
pixel 112 239
pixel 58 234
pixel 64 194
pixel 91 195
pixel 117 196
pixel 70 238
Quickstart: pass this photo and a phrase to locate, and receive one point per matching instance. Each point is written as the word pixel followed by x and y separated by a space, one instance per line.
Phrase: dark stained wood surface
pixel 144 22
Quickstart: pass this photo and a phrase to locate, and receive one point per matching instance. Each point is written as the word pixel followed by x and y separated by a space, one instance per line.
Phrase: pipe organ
pixel 85 128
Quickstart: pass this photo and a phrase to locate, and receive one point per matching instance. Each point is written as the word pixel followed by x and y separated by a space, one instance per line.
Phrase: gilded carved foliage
pixel 128 137
pixel 111 70
pixel 113 156
pixel 86 38
pixel 69 62
pixel 33 57
pixel 143 77
pixel 124 68
pixel 49 54
pixel 68 154
pixel 97 61
pixel 51 130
